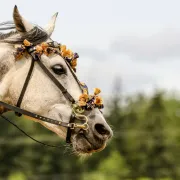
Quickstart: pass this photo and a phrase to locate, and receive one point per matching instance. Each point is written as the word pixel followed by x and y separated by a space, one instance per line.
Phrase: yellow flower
pixel 98 100
pixel 66 53
pixel 39 49
pixel 44 46
pixel 85 91
pixel 74 63
pixel 84 97
pixel 26 43
pixel 63 48
pixel 82 103
pixel 97 91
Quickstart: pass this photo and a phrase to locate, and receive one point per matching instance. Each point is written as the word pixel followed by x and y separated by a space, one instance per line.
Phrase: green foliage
pixel 17 176
pixel 145 145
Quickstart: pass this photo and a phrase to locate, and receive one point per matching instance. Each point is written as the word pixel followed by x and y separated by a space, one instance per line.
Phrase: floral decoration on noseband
pixel 86 101
pixel 90 101
pixel 48 49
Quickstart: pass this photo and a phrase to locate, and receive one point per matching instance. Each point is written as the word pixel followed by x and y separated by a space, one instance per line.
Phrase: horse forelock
pixel 36 35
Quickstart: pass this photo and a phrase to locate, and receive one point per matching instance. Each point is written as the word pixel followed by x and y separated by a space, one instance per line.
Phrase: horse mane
pixel 36 35
pixel 9 34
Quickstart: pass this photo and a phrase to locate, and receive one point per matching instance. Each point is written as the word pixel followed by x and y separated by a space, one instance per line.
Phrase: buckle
pixel 72 126
pixel 84 126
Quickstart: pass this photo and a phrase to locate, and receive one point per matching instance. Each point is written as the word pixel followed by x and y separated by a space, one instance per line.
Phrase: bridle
pixel 71 125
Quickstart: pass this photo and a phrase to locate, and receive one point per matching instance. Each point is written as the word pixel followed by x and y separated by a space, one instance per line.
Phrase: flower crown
pixel 86 101
pixel 48 49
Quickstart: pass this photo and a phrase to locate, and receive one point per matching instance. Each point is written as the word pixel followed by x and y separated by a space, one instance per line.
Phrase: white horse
pixel 42 96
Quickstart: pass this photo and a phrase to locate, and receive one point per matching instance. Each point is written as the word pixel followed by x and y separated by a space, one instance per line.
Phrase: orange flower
pixel 44 46
pixel 39 49
pixel 84 97
pixel 74 63
pixel 97 91
pixel 26 43
pixel 63 48
pixel 82 103
pixel 66 53
pixel 98 100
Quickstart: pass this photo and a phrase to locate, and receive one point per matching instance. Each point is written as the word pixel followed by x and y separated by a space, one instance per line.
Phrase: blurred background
pixel 130 49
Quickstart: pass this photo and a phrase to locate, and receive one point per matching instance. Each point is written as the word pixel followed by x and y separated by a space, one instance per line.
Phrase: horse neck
pixel 7 62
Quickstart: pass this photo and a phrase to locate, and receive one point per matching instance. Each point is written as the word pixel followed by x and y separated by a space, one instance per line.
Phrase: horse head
pixel 42 95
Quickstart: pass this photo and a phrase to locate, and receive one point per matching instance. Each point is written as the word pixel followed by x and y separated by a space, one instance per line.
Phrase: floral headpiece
pixel 86 101
pixel 48 49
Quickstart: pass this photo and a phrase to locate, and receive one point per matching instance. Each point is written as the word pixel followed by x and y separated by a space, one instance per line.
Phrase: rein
pixel 8 120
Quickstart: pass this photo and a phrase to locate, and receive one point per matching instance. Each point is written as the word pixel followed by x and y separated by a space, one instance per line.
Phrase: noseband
pixel 76 111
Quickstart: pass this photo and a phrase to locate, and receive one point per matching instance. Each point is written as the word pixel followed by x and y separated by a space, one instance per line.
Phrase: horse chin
pixel 83 146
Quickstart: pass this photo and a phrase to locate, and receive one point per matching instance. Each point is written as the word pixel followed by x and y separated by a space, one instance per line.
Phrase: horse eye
pixel 58 69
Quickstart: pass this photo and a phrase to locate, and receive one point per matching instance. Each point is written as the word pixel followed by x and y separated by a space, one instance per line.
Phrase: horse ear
pixel 51 25
pixel 21 24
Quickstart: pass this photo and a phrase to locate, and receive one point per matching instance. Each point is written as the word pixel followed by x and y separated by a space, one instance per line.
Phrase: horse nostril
pixel 101 129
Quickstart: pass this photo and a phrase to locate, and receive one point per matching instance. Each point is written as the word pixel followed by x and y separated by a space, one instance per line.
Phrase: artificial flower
pixel 63 48
pixel 82 103
pixel 44 46
pixel 84 97
pixel 39 49
pixel 74 63
pixel 26 43
pixel 97 91
pixel 66 53
pixel 83 100
pixel 98 101
pixel 19 53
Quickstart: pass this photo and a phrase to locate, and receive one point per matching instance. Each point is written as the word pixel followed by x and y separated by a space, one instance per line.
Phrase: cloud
pixel 93 53
pixel 99 67
pixel 165 44
pixel 135 75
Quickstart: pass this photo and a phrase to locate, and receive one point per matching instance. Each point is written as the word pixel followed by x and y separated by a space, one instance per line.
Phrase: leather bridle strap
pixel 69 130
pixel 22 131
pixel 36 116
pixel 56 82
pixel 25 87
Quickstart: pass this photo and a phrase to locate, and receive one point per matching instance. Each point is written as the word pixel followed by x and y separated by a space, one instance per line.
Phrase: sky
pixel 137 41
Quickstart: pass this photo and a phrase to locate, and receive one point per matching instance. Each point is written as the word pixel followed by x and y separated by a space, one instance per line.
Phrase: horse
pixel 42 96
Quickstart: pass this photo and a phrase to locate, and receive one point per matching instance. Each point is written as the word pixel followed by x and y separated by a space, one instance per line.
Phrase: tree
pixel 153 147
